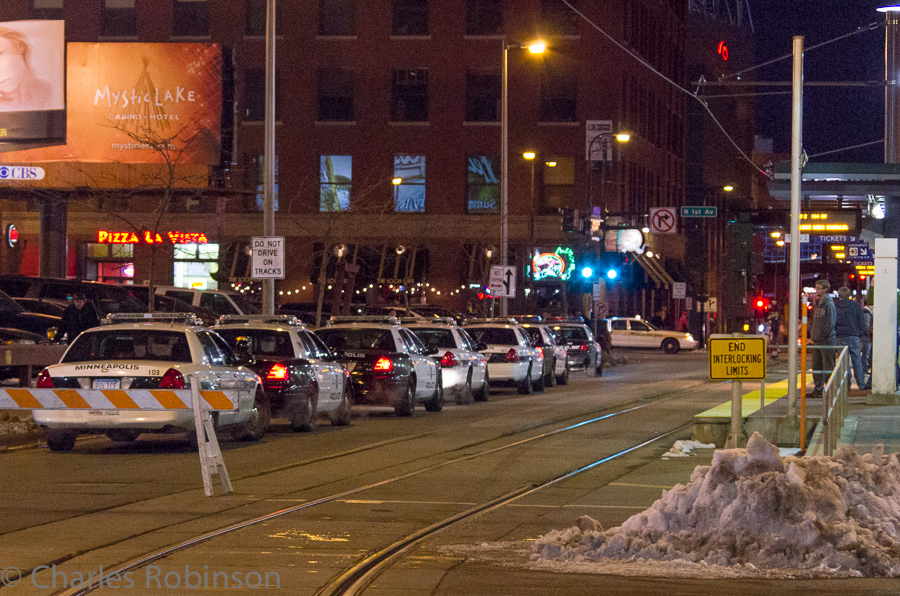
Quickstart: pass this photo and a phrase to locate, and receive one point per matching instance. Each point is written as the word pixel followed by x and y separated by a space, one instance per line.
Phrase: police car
pixel 299 374
pixel 463 368
pixel 149 351
pixel 511 357
pixel 388 364
pixel 556 361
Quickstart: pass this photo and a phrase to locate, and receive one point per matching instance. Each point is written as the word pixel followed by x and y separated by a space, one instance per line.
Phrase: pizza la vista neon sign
pixel 148 237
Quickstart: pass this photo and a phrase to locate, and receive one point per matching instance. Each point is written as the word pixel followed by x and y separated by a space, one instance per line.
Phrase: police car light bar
pixel 272 319
pixel 504 320
pixel 428 321
pixel 183 318
pixel 384 320
pixel 528 318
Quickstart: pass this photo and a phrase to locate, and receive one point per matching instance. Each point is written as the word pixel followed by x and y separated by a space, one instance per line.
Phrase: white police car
pixel 149 351
pixel 463 368
pixel 512 360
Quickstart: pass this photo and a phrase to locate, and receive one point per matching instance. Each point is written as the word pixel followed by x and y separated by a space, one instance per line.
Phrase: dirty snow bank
pixel 753 510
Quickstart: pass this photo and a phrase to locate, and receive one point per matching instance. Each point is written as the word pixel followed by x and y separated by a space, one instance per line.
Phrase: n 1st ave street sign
pixel 698 211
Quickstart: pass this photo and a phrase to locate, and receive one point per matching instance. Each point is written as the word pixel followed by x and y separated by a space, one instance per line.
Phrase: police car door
pixel 426 367
pixel 327 373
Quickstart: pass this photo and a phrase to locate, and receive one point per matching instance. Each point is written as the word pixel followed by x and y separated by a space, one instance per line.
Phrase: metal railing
pixel 834 402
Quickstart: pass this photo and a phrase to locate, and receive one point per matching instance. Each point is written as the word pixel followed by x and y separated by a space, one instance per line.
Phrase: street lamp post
pixel 537 47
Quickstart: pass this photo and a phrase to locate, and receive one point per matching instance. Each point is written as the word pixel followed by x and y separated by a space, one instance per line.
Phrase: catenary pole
pixel 796 176
pixel 268 285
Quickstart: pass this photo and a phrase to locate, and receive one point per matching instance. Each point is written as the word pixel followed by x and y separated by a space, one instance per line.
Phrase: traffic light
pixel 761 305
pixel 571 222
pixel 612 273
pixel 587 271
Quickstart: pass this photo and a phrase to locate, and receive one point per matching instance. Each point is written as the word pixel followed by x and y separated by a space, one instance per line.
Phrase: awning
pixel 655 270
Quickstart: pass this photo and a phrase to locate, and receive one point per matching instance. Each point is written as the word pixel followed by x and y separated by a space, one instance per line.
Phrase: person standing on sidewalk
pixel 821 332
pixel 865 345
pixel 849 328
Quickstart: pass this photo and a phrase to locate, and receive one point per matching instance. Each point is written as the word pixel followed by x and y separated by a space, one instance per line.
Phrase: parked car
pixel 54 308
pixel 221 302
pixel 626 332
pixel 14 316
pixel 512 360
pixel 439 312
pixel 556 361
pixel 171 304
pixel 584 352
pixel 299 374
pixel 106 298
pixel 463 368
pixel 150 352
pixel 388 364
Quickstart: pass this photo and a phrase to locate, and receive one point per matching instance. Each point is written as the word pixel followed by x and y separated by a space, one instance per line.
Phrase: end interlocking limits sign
pixel 737 357
pixel 267 258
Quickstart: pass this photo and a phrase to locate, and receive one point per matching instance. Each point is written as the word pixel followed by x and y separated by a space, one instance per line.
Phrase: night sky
pixel 834 117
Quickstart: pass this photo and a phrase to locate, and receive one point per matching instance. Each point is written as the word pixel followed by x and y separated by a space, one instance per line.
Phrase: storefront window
pixel 409 183
pixel 110 263
pixel 195 264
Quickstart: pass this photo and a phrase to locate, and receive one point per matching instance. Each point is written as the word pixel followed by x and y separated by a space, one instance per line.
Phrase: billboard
pixel 32 84
pixel 139 103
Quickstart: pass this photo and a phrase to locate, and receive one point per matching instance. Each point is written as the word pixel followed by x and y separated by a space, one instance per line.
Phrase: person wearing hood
pixel 821 332
pixel 849 328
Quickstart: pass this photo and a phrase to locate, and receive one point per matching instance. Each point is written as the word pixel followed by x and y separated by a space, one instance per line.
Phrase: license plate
pixel 105 384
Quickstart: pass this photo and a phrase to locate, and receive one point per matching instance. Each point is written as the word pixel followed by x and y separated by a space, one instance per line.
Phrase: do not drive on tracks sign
pixel 737 357
pixel 267 258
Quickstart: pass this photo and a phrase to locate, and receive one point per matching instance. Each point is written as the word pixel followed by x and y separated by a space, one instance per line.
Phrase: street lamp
pixel 605 137
pixel 536 47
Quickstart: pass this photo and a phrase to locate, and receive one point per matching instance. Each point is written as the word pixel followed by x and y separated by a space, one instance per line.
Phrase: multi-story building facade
pixel 388 142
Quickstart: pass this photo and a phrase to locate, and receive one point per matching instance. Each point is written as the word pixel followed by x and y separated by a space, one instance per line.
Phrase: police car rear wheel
pixel 525 385
pixel 465 394
pixel 485 392
pixel 407 404
pixel 255 428
pixel 59 439
pixel 341 416
pixel 304 419
pixel 436 403
pixel 563 379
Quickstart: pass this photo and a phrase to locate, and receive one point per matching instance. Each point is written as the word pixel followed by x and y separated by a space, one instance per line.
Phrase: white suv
pixel 221 302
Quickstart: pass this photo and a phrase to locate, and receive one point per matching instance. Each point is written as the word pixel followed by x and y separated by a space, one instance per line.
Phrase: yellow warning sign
pixel 737 357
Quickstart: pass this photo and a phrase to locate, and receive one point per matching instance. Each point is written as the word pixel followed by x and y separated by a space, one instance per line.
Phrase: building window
pixel 483 183
pixel 255 95
pixel 190 18
pixel 110 263
pixel 409 183
pixel 484 17
pixel 48 9
pixel 119 19
pixel 483 95
pixel 410 17
pixel 335 95
pixel 335 179
pixel 559 94
pixel 261 183
pixel 557 19
pixel 256 17
pixel 409 95
pixel 559 182
pixel 337 17
pixel 195 265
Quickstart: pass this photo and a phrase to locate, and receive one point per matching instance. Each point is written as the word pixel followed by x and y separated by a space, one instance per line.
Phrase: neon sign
pixel 148 237
pixel 553 265
pixel 723 51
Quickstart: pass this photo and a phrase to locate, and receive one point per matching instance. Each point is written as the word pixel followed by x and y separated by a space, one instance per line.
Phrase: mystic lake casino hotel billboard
pixel 125 100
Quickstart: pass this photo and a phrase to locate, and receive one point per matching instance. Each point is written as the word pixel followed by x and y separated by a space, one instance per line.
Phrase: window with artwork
pixel 335 95
pixel 409 183
pixel 190 18
pixel 483 183
pixel 483 95
pixel 335 179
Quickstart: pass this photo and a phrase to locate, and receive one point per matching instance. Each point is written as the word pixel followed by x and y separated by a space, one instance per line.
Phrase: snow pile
pixel 684 448
pixel 754 510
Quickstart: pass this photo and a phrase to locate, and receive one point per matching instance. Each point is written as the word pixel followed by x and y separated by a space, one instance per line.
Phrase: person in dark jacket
pixel 821 332
pixel 78 316
pixel 849 328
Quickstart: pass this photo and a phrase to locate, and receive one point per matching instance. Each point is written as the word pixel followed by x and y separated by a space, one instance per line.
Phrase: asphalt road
pixel 345 493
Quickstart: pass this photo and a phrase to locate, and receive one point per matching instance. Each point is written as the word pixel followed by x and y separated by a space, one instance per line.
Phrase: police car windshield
pixel 263 342
pixel 140 344
pixel 500 336
pixel 439 338
pixel 349 338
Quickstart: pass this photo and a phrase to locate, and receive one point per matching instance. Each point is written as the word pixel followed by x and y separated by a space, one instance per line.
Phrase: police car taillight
pixel 172 379
pixel 449 360
pixel 44 380
pixel 540 350
pixel 512 355
pixel 278 372
pixel 384 365
pixel 584 348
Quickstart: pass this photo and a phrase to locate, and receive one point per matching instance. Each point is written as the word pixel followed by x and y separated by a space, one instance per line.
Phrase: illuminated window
pixel 190 18
pixel 194 266
pixel 483 183
pixel 335 179
pixel 337 17
pixel 119 19
pixel 559 182
pixel 409 194
pixel 335 95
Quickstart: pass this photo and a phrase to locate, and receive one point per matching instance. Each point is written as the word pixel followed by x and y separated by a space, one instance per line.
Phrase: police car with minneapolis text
pixel 149 351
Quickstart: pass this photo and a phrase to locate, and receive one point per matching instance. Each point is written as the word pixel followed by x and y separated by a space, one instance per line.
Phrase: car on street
pixel 556 361
pixel 221 302
pixel 300 376
pixel 170 304
pixel 512 360
pixel 463 367
pixel 106 298
pixel 388 364
pixel 149 352
pixel 628 332
pixel 584 352
pixel 13 315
